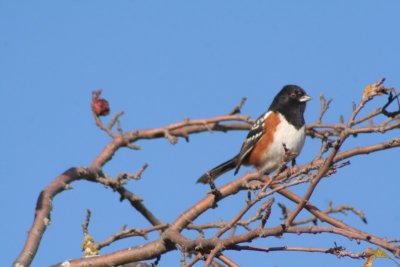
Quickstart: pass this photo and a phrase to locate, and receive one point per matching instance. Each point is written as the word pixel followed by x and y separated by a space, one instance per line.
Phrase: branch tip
pixel 238 108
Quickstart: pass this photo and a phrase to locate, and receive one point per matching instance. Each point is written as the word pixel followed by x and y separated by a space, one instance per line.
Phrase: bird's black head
pixel 291 102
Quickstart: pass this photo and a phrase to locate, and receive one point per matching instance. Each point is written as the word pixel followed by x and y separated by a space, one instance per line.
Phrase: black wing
pixel 253 137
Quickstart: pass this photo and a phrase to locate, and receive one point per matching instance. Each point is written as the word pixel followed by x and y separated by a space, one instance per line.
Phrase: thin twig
pixel 85 225
pixel 337 251
pixel 324 107
pixel 237 109
pixel 131 232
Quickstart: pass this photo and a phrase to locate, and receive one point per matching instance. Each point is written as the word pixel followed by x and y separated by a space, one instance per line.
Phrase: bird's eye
pixel 295 94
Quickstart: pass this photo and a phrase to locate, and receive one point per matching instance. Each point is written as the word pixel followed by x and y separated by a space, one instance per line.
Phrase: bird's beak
pixel 305 98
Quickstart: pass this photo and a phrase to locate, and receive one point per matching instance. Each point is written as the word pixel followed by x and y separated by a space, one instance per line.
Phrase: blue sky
pixel 162 61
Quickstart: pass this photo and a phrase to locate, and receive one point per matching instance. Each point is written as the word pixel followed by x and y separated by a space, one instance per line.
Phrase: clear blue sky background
pixel 161 61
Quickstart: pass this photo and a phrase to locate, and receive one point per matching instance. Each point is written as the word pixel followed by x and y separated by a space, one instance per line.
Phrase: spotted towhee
pixel 279 130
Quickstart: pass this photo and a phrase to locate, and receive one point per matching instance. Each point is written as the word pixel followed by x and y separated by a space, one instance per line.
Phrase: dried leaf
pixel 380 253
pixel 88 247
pixel 369 261
pixel 377 253
pixel 368 90
pixel 374 89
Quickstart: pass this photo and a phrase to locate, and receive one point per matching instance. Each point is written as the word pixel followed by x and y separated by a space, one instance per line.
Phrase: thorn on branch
pixel 185 135
pixel 133 147
pixel 237 109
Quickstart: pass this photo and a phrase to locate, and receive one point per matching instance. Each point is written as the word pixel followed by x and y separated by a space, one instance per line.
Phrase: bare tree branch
pixel 261 189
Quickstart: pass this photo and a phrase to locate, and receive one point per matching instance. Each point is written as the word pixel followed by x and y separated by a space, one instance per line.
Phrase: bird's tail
pixel 218 171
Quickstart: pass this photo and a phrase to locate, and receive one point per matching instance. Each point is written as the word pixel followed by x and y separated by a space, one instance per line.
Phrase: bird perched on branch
pixel 278 132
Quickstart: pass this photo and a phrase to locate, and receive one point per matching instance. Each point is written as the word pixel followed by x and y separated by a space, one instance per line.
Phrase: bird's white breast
pixel 286 134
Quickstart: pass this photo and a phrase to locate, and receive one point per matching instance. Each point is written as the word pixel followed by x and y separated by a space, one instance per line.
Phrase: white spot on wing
pixel 260 121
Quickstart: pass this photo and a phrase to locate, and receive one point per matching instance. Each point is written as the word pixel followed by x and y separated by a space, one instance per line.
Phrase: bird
pixel 279 130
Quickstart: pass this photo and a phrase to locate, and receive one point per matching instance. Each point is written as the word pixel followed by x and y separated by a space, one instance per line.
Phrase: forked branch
pixel 260 188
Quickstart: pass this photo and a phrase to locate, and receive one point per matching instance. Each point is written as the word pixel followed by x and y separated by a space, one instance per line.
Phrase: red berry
pixel 100 107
